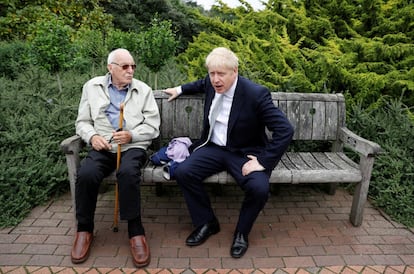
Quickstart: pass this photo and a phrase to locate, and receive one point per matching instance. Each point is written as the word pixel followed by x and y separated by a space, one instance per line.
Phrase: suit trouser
pixel 94 168
pixel 211 159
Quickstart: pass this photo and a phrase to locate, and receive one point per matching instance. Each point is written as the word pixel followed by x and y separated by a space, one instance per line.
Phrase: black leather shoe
pixel 201 234
pixel 239 246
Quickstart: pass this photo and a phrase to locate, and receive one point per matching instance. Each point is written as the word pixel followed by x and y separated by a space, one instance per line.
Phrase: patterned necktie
pixel 212 117
pixel 215 110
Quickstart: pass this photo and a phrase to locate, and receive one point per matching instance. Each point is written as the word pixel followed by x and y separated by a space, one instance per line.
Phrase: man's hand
pixel 251 165
pixel 121 137
pixel 172 92
pixel 99 143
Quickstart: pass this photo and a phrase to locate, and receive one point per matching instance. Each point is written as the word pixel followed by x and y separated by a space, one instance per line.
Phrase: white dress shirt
pixel 219 134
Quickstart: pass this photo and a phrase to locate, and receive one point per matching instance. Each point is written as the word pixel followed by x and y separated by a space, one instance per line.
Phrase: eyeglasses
pixel 125 67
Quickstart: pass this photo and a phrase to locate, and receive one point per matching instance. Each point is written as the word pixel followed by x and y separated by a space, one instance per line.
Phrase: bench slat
pixel 297 161
pixel 324 160
pixel 310 160
pixel 332 121
pixel 337 160
pixel 318 123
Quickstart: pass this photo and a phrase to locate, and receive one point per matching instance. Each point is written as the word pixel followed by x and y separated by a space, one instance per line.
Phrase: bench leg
pixel 72 192
pixel 275 189
pixel 331 189
pixel 159 191
pixel 361 191
pixel 217 189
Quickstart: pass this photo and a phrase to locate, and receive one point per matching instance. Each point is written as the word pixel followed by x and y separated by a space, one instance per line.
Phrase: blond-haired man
pixel 233 139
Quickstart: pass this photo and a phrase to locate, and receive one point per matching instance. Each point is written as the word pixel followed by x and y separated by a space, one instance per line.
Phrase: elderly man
pixel 236 113
pixel 97 123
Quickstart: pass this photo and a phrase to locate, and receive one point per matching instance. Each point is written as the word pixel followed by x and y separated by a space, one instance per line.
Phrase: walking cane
pixel 118 161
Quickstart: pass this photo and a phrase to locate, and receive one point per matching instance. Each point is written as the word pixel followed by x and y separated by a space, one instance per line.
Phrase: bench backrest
pixel 315 116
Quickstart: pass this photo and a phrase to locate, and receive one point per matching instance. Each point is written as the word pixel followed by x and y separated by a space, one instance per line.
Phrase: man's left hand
pixel 251 165
pixel 121 137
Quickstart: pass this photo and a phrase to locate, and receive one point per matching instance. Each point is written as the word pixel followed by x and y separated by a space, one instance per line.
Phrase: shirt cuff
pixel 179 90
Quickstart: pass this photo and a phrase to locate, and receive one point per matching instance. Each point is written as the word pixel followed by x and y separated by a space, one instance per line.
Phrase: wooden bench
pixel 316 117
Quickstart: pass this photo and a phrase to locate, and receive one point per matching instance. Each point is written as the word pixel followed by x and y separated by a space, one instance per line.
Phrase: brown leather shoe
pixel 81 247
pixel 140 251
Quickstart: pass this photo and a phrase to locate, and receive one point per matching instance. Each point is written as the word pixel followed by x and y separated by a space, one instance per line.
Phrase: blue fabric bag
pixel 160 157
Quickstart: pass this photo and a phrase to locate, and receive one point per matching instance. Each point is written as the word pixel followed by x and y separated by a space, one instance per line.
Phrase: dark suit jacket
pixel 252 110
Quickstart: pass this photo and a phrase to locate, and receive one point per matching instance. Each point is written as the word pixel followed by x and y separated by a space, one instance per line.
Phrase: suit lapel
pixel 236 106
pixel 209 101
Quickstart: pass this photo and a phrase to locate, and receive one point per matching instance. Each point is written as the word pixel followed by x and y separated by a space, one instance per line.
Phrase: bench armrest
pixel 71 147
pixel 357 143
pixel 367 151
pixel 72 144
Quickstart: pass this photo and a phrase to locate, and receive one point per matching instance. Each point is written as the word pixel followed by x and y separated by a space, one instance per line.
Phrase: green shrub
pixel 389 125
pixel 14 58
pixel 35 118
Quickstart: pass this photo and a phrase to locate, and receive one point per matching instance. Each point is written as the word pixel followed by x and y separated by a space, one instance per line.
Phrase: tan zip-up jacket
pixel 141 113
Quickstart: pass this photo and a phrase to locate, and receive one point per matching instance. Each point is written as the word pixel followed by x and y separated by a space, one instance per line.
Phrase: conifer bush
pixel 390 125
pixel 35 117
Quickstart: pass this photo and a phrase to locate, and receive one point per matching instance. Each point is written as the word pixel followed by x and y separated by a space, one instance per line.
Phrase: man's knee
pixel 129 173
pixel 179 172
pixel 259 188
pixel 87 174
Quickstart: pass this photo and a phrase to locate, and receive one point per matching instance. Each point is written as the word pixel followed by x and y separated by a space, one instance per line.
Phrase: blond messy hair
pixel 222 58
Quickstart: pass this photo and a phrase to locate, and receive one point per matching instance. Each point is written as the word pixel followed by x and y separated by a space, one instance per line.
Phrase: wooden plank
pixel 181 118
pixel 341 111
pixel 324 160
pixel 299 163
pixel 289 96
pixel 282 105
pixel 167 119
pixel 325 176
pixel 310 160
pixel 348 160
pixel 331 125
pixel 339 161
pixel 287 162
pixel 281 176
pixel 196 117
pixel 293 115
pixel 318 123
pixel 305 120
pixel 281 166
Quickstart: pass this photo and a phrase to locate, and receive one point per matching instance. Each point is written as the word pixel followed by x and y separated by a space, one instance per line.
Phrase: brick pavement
pixel 301 230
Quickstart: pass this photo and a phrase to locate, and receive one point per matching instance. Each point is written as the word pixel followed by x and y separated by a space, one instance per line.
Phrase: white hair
pixel 113 54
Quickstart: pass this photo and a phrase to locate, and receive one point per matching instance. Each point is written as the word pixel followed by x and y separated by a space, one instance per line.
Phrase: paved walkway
pixel 301 230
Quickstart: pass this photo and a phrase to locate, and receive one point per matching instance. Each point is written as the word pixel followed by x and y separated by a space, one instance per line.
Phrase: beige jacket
pixel 141 113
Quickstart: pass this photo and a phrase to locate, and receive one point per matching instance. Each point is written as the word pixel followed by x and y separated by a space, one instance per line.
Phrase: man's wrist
pixel 179 90
pixel 91 139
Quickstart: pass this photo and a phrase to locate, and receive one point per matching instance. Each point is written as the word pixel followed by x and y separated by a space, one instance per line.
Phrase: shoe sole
pixel 81 260
pixel 142 264
pixel 237 256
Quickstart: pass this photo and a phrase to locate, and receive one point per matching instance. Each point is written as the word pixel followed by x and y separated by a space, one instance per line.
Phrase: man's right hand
pixel 172 92
pixel 99 143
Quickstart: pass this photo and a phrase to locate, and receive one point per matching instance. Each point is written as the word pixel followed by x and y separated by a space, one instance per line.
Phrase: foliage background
pixel 48 49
